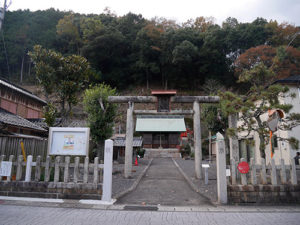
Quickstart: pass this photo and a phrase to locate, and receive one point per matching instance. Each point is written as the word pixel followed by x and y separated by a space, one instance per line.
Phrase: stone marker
pixel 107 180
pixel 205 166
pixel 221 170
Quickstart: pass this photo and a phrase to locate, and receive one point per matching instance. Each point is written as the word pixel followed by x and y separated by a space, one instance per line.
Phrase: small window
pixel 275 141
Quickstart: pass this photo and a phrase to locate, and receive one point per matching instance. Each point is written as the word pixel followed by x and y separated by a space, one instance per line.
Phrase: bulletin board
pixel 69 141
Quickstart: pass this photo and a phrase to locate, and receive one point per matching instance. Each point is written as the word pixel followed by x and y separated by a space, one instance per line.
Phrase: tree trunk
pixel 226 141
pixel 147 77
pixel 21 73
pixel 29 68
pixel 100 150
pixel 262 146
pixel 261 138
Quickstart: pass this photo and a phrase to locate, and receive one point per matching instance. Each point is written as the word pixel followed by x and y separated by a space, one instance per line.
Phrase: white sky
pixel 243 10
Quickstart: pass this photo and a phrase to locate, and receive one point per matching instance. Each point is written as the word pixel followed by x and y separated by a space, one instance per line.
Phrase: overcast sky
pixel 243 10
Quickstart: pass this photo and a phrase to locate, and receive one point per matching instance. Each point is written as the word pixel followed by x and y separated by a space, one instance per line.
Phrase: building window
pixel 275 141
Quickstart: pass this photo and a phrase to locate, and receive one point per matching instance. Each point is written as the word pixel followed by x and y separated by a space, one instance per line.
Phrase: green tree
pixel 22 29
pixel 284 61
pixel 101 113
pixel 69 34
pixel 63 76
pixel 213 115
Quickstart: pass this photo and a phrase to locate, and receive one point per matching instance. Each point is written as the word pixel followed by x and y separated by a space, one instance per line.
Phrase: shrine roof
pixel 163 92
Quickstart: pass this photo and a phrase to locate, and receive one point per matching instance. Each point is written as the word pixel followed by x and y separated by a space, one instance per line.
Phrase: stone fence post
pixel 221 170
pixel 28 169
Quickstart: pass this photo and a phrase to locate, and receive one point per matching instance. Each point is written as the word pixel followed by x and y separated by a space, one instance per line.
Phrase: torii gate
pixel 153 99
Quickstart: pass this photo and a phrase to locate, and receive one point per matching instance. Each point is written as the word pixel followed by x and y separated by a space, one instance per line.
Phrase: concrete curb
pixel 135 184
pixel 75 204
pixel 192 185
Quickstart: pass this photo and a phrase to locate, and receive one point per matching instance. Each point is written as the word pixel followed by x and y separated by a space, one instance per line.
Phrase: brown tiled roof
pixel 18 121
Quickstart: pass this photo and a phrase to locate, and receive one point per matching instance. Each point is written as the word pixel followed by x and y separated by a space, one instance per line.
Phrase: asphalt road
pixel 23 215
pixel 163 184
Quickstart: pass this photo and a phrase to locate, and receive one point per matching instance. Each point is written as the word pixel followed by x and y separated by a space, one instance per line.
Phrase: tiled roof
pixel 15 120
pixel 39 122
pixel 21 90
pixel 70 123
pixel 120 142
pixel 292 79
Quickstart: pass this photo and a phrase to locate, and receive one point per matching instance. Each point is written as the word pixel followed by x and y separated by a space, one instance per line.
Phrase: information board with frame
pixel 68 141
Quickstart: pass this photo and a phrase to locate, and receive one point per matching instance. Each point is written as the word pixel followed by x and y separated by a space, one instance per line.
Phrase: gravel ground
pixel 120 183
pixel 210 190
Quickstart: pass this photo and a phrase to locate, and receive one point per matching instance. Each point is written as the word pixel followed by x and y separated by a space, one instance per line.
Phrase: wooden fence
pixel 11 145
pixel 265 174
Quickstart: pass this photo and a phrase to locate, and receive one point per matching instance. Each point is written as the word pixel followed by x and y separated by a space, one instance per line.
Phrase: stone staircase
pixel 162 153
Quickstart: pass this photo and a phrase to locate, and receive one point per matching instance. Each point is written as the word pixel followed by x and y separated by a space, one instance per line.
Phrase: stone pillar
pixel 129 141
pixel 108 169
pixel 197 140
pixel 233 141
pixel 209 145
pixel 221 170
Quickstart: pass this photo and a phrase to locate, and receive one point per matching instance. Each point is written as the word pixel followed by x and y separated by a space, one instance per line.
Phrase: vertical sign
pixel 5 168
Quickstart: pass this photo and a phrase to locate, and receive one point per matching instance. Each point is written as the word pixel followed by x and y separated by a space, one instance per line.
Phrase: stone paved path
pixel 28 215
pixel 163 184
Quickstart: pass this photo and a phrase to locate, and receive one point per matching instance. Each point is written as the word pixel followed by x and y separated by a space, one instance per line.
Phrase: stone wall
pixel 51 190
pixel 287 193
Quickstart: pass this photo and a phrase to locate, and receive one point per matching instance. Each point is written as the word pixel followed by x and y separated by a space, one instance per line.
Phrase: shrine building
pixel 161 131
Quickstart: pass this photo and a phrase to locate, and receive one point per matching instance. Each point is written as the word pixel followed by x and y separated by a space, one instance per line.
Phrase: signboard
pixel 228 173
pixel 73 141
pixel 243 167
pixel 5 168
pixel 205 165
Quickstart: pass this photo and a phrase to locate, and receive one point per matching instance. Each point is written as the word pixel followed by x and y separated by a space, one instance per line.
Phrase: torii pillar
pixel 129 141
pixel 197 140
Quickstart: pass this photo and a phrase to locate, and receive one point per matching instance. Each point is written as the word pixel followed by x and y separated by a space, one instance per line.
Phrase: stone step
pixel 162 153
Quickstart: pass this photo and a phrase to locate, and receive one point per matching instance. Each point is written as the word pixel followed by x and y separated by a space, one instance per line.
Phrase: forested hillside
pixel 130 50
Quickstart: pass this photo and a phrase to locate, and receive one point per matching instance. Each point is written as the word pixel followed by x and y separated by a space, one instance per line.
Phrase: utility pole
pixel 2 14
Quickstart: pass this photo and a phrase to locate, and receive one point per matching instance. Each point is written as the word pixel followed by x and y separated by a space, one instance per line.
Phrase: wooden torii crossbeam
pixel 154 99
